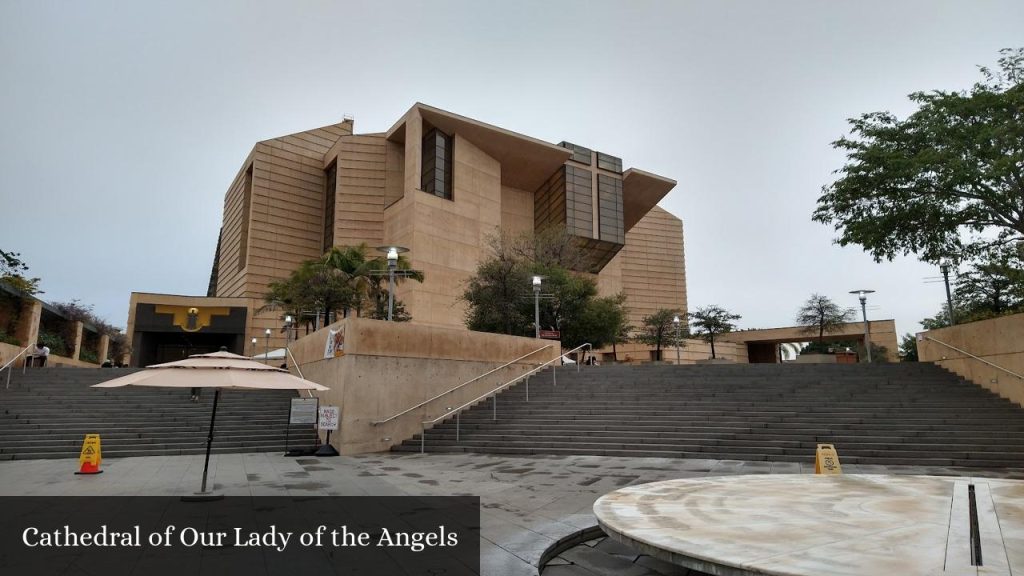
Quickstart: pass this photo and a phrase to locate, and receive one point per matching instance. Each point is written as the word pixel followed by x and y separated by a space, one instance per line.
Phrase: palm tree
pixel 377 288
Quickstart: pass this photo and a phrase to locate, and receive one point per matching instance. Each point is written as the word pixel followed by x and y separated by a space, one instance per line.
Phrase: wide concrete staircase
pixel 47 412
pixel 893 414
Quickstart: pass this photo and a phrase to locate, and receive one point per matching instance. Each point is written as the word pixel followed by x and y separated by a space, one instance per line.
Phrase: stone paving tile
pixel 528 502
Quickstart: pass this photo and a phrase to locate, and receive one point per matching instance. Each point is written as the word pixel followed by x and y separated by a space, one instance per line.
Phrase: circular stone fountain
pixel 797 525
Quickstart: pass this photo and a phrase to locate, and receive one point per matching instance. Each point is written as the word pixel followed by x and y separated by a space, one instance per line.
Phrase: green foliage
pixel 708 321
pixel 908 348
pixel 500 297
pixel 821 316
pixel 88 356
pixel 12 270
pixel 992 286
pixel 659 330
pixel 946 181
pixel 600 323
pixel 344 279
pixel 55 342
pixel 9 339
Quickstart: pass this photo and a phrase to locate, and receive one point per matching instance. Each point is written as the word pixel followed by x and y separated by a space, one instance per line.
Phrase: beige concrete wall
pixel 998 340
pixel 446 237
pixel 389 367
pixel 689 353
pixel 362 179
pixel 8 351
pixel 650 269
pixel 284 220
pixel 883 333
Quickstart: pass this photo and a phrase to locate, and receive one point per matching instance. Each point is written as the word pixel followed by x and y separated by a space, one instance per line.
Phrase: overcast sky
pixel 122 123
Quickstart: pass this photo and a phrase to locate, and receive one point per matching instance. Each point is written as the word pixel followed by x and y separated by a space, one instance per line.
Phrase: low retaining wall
pixel 998 340
pixel 387 367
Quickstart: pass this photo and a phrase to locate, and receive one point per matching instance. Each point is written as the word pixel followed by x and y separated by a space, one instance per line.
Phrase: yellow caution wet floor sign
pixel 826 460
pixel 91 455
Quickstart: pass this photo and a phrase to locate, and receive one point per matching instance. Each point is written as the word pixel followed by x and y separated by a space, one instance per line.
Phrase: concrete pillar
pixel 79 328
pixel 103 348
pixel 28 321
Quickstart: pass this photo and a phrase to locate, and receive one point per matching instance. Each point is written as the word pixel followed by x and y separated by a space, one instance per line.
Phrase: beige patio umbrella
pixel 218 370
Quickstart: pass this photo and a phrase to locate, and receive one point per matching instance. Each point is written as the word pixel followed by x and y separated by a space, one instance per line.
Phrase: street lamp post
pixel 863 295
pixel 266 348
pixel 253 349
pixel 945 266
pixel 392 257
pixel 675 321
pixel 536 306
pixel 392 264
pixel 288 330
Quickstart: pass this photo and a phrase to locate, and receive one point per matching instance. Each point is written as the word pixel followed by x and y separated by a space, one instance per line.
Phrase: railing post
pixel 423 438
pixel 554 375
pixel 457 423
pixel 494 406
pixel 10 368
pixel 527 388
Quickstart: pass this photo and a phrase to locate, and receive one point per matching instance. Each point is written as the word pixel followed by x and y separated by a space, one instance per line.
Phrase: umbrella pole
pixel 209 439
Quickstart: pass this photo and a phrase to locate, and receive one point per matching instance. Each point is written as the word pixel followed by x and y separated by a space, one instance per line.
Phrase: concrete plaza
pixel 528 502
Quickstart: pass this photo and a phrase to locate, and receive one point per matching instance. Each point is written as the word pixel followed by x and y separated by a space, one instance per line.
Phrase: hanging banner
pixel 335 343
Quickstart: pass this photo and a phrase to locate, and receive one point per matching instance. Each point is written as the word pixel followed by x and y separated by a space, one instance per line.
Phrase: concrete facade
pixel 296 196
pixel 386 368
pixel 999 342
pixel 762 344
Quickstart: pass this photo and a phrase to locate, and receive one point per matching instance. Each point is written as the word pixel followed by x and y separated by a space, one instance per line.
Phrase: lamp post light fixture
pixel 392 253
pixel 537 306
pixel 253 349
pixel 266 348
pixel 863 295
pixel 945 267
pixel 675 320
pixel 288 329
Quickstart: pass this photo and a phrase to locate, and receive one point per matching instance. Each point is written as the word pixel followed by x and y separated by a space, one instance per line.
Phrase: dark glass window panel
pixel 579 153
pixel 609 162
pixel 436 174
pixel 330 194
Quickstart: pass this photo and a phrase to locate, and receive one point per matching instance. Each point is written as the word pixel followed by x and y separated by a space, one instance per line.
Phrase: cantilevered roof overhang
pixel 526 162
pixel 641 191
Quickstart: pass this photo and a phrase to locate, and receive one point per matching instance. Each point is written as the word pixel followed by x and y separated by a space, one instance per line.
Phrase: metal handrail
pixel 982 360
pixel 446 392
pixel 298 369
pixel 9 366
pixel 494 394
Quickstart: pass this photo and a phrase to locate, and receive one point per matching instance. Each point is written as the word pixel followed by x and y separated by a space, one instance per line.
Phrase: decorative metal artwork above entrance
pixel 191 318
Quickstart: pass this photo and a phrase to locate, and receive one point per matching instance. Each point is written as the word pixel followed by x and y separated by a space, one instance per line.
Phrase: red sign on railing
pixel 550 334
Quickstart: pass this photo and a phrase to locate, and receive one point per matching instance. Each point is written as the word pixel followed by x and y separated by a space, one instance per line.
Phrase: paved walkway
pixel 528 502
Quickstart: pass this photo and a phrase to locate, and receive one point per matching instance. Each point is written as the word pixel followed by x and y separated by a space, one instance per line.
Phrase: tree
pixel 908 348
pixel 600 323
pixel 708 321
pixel 313 286
pixel 659 330
pixel 945 182
pixel 821 315
pixel 343 279
pixel 993 286
pixel 499 296
pixel 12 273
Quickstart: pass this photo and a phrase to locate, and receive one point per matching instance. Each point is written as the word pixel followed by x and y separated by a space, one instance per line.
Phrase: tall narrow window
pixel 330 192
pixel 437 164
pixel 243 241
